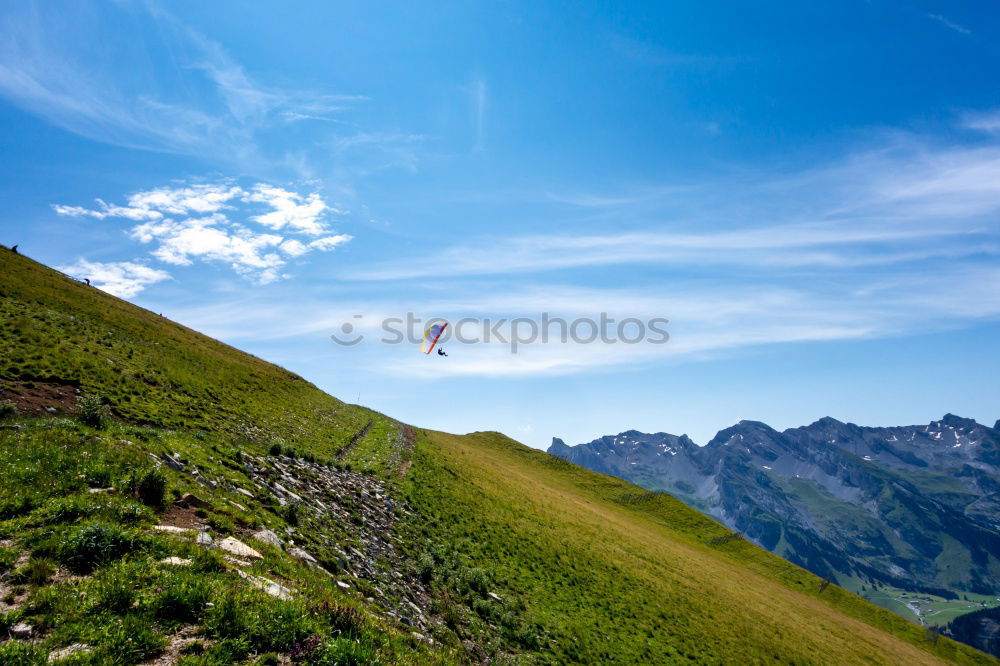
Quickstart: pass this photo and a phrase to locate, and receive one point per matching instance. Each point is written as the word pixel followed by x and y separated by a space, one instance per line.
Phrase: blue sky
pixel 809 192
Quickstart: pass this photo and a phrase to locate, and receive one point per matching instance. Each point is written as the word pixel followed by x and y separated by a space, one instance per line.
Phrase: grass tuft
pixel 93 411
pixel 88 547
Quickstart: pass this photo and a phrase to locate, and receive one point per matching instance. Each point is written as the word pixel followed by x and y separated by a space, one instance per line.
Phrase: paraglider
pixel 431 337
pixel 441 351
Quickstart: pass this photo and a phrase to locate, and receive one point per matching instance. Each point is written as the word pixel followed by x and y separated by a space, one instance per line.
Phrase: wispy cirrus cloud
pixel 948 23
pixel 479 104
pixel 709 318
pixel 214 223
pixel 908 201
pixel 200 102
pixel 656 55
pixel 793 246
pixel 988 121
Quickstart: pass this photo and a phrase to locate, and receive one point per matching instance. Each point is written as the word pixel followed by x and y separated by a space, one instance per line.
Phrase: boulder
pixel 239 549
pixel 267 536
pixel 274 589
pixel 266 584
pixel 300 554
pixel 195 501
pixel 21 630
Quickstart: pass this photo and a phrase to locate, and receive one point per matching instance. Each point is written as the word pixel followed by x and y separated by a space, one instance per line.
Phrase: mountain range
pixel 911 509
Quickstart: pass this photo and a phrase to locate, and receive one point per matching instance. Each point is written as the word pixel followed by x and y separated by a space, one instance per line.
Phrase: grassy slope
pixel 156 371
pixel 620 575
pixel 611 573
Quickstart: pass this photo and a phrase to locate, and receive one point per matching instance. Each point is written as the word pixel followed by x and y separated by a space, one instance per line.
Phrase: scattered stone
pixel 300 554
pixel 52 410
pixel 203 539
pixel 176 561
pixel 416 634
pixel 266 584
pixel 10 427
pixel 173 464
pixel 349 503
pixel 244 492
pixel 239 549
pixel 494 597
pixel 95 491
pixel 275 590
pixel 285 491
pixel 195 501
pixel 171 529
pixel 238 506
pixel 21 630
pixel 68 651
pixel 267 536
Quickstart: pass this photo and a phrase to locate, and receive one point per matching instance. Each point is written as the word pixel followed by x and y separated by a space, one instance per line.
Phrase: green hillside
pixel 385 543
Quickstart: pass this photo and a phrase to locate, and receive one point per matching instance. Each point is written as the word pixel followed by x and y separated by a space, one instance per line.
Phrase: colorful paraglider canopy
pixel 432 335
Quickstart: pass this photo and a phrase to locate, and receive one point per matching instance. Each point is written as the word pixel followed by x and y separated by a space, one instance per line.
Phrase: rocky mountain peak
pixel 957 421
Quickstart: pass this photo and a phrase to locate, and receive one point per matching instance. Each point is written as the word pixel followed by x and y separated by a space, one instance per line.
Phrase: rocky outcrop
pixel 348 527
pixel 346 524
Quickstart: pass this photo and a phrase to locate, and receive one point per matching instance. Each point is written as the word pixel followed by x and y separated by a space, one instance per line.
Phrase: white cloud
pixel 329 242
pixel 124 278
pixel 294 247
pixel 203 198
pixel 108 211
pixel 213 222
pixel 179 242
pixel 298 213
